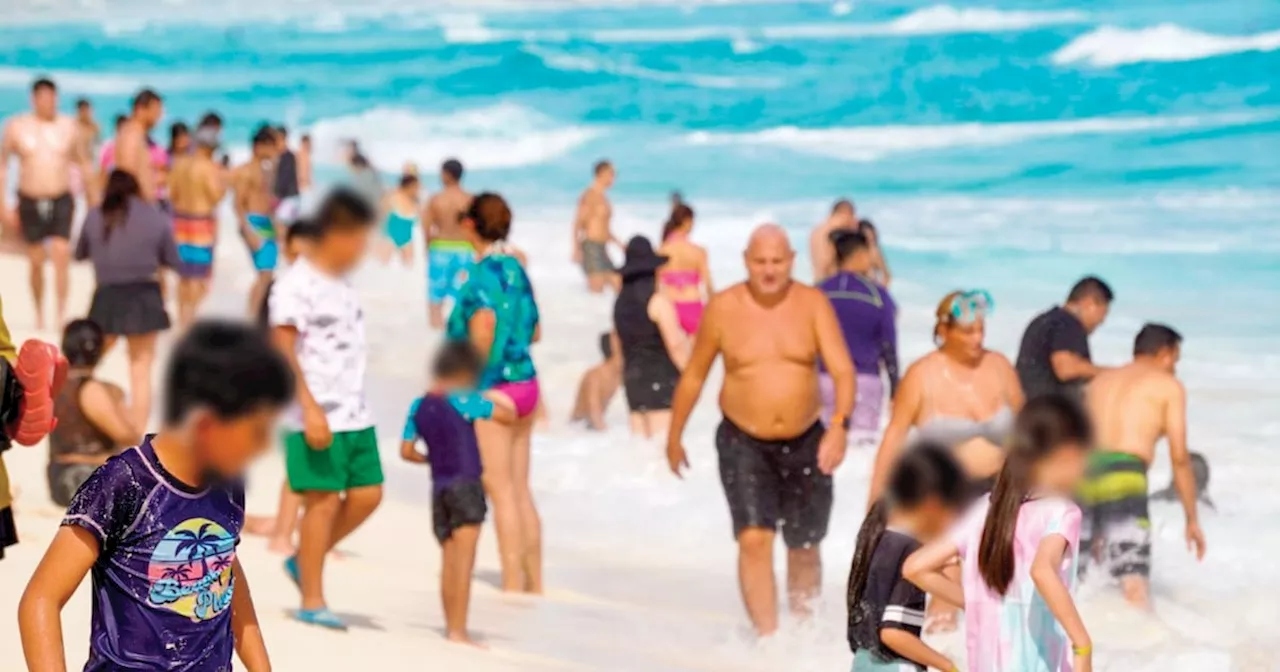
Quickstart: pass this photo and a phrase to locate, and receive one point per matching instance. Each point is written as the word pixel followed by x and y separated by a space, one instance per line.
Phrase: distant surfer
pixel 592 234
pixel 1133 407
pixel 776 458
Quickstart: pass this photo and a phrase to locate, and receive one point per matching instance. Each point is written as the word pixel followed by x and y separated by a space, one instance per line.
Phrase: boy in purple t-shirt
pixel 442 420
pixel 157 526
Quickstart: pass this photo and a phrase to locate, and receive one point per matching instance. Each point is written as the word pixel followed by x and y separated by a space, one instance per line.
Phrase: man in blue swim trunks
pixel 253 182
pixel 449 254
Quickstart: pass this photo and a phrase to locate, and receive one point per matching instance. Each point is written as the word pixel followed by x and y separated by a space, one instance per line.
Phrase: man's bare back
pixel 250 183
pixel 1131 407
pixel 443 212
pixel 594 215
pixel 195 185
pixel 770 382
pixel 134 157
pixel 46 150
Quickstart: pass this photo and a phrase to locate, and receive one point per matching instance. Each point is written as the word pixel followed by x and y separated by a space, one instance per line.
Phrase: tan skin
pixel 460 548
pixel 771 392
pixel 196 186
pixel 403 201
pixel 328 517
pixel 592 222
pixel 182 451
pixel 505 452
pixel 1133 407
pixel 132 152
pixel 597 387
pixel 684 255
pixel 663 313
pixel 821 253
pixel 251 182
pixel 441 220
pixel 46 145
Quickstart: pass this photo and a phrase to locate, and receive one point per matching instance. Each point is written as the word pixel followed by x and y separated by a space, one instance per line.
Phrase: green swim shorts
pixel 351 461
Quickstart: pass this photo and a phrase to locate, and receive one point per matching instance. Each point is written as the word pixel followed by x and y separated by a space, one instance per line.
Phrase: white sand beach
pixel 640 566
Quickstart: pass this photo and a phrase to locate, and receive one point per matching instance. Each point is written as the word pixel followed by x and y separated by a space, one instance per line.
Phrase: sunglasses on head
pixel 971 306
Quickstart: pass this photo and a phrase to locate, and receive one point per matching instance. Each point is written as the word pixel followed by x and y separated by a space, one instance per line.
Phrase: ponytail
pixel 868 538
pixel 1045 424
pixel 121 187
pixel 679 214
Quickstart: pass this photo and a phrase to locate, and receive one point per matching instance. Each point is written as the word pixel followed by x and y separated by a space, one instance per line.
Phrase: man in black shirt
pixel 286 186
pixel 1054 355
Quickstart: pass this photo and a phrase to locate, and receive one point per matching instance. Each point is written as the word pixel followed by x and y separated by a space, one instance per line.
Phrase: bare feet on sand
pixel 464 639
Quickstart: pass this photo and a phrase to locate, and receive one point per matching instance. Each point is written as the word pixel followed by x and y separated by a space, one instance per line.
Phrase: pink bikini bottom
pixel 524 394
pixel 690 315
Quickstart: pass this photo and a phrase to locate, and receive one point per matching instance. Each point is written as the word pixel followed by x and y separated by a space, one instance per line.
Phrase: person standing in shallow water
pixel 449 252
pixel 776 458
pixel 497 313
pixel 592 234
pixel 655 348
pixel 1054 355
pixel 686 277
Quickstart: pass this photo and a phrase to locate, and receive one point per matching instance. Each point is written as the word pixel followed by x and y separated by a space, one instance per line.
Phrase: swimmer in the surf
pixel 1133 407
pixel 592 234
pixel 449 253
pixel 400 206
pixel 196 187
pixel 252 182
pixel 686 277
pixel 776 457
pixel 599 384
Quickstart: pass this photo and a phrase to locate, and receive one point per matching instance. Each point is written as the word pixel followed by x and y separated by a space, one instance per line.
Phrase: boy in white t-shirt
pixel 331 449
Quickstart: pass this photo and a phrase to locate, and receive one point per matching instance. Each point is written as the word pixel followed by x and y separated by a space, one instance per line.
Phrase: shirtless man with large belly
pixel 1133 407
pixel 47 145
pixel 592 234
pixel 449 255
pixel 776 459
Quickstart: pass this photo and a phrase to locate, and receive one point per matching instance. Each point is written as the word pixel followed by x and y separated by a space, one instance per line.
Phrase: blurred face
pixel 412 189
pixel 964 339
pixel 1061 471
pixel 263 150
pixel 607 176
pixel 458 382
pixel 769 260
pixel 182 142
pixel 1093 312
pixel 933 518
pixel 859 262
pixel 227 447
pixel 45 102
pixel 295 248
pixel 844 216
pixel 345 247
pixel 152 114
pixel 85 113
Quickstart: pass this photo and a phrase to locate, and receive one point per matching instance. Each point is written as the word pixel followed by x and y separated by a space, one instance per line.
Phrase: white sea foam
pixel 499 136
pixel 1110 45
pixel 870 143
pixel 71 81
pixel 580 63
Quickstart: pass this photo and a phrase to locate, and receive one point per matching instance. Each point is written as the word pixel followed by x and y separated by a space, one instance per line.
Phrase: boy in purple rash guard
pixel 158 525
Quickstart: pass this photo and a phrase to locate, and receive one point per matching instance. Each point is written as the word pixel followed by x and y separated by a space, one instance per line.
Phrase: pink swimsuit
pixel 688 312
pixel 524 394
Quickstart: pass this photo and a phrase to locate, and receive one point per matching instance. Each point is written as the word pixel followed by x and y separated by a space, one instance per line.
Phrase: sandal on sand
pixel 321 617
pixel 291 568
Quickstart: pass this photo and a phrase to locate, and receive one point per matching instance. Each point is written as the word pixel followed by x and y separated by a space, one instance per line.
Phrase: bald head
pixel 769 235
pixel 769 259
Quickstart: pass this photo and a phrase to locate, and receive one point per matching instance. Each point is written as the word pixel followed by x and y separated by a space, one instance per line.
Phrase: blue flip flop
pixel 321 617
pixel 291 568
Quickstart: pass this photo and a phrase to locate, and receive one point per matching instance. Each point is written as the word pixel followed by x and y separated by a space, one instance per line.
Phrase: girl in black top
pixel 886 612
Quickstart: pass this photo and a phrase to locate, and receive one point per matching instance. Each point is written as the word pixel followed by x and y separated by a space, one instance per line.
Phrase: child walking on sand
pixel 331 452
pixel 442 420
pixel 886 612
pixel 1019 549
pixel 158 524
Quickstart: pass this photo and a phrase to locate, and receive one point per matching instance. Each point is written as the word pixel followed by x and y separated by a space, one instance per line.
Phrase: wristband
pixel 1082 650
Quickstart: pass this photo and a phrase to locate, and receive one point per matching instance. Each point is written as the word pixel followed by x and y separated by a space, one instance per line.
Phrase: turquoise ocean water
pixel 1011 145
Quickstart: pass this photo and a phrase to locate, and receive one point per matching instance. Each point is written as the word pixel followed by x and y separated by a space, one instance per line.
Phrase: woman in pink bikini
pixel 686 277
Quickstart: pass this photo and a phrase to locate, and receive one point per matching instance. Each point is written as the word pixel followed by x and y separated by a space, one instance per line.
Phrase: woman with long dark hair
pixel 1019 550
pixel 654 347
pixel 686 278
pixel 497 313
pixel 129 240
